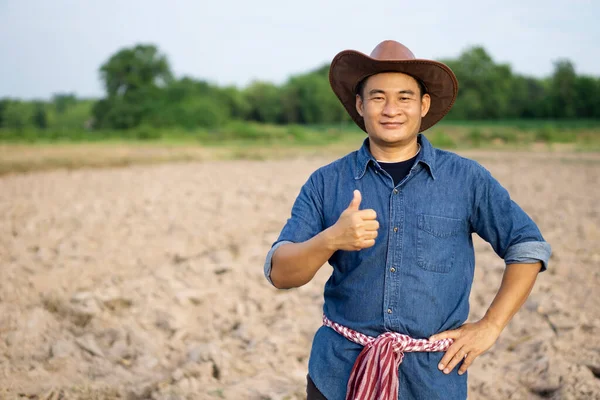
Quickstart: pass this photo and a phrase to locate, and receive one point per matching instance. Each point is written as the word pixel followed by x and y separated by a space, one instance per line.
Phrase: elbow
pixel 281 285
pixel 283 282
pixel 282 278
pixel 285 272
pixel 276 281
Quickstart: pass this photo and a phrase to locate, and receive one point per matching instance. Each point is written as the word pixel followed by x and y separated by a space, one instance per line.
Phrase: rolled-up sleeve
pixel 305 222
pixel 528 253
pixel 513 235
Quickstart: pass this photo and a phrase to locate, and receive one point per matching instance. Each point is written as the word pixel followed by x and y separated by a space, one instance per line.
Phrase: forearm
pixel 517 282
pixel 295 264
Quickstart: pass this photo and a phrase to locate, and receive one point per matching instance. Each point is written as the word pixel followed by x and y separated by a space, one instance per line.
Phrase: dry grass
pixel 19 158
pixel 22 158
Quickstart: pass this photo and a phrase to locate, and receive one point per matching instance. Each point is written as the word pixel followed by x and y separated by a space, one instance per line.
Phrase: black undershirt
pixel 398 170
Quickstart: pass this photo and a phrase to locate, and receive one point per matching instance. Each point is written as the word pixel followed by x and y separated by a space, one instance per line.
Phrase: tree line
pixel 141 91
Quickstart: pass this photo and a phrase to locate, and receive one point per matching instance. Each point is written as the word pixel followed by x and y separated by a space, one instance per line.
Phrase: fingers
pixel 458 357
pixel 358 228
pixel 453 334
pixel 448 357
pixel 363 239
pixel 355 203
pixel 367 240
pixel 368 243
pixel 467 363
pixel 369 235
pixel 452 351
pixel 367 214
pixel 355 206
pixel 470 341
pixel 370 225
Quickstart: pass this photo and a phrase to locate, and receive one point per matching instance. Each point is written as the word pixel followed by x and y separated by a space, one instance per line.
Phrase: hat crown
pixel 392 50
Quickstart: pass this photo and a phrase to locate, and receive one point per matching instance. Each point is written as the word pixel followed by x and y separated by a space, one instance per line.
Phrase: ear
pixel 425 104
pixel 359 105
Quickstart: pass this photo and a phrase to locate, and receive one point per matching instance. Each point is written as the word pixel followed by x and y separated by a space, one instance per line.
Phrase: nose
pixel 391 109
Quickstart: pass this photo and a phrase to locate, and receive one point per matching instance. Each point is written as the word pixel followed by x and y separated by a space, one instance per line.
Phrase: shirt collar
pixel 426 156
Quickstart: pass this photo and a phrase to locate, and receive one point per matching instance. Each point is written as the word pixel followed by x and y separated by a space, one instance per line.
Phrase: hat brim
pixel 350 67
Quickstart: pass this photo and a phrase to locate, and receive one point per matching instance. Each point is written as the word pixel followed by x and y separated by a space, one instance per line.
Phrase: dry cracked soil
pixel 146 282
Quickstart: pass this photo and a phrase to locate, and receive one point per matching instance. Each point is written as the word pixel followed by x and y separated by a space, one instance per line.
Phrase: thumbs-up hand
pixel 355 229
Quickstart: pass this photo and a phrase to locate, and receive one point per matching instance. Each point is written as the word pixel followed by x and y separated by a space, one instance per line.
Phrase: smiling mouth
pixel 392 125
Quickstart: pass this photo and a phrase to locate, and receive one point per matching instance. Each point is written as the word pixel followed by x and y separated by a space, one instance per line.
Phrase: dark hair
pixel 361 85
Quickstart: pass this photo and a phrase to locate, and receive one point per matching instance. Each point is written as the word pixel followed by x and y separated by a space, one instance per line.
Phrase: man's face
pixel 392 108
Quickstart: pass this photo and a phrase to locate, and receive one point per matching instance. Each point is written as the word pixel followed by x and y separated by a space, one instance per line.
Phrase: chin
pixel 395 135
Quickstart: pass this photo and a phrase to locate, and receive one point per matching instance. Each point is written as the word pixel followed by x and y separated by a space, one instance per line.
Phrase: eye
pixel 378 98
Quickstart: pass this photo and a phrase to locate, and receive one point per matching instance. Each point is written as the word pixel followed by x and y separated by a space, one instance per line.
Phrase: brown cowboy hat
pixel 350 67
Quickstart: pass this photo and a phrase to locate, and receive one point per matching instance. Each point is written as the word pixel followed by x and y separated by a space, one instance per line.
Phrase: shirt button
pixel 395 191
pixel 395 229
pixel 389 310
pixel 393 269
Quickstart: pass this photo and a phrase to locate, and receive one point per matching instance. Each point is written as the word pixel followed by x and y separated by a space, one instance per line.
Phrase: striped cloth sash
pixel 375 373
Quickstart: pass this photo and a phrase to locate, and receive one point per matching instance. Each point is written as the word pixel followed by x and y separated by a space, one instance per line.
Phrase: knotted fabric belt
pixel 375 372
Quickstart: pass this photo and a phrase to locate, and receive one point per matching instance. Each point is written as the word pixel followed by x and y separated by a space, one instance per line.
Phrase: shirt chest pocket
pixel 438 240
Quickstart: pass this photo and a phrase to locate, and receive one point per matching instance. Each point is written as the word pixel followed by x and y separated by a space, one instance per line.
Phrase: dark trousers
pixel 312 393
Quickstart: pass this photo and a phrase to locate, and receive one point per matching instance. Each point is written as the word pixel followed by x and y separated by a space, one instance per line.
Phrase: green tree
pixel 308 99
pixel 135 68
pixel 17 114
pixel 485 87
pixel 62 101
pixel 202 112
pixel 587 92
pixel 131 79
pixel 3 107
pixel 563 90
pixel 40 118
pixel 235 101
pixel 191 103
pixel 265 104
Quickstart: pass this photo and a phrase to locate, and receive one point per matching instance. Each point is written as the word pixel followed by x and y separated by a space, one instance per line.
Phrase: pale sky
pixel 57 46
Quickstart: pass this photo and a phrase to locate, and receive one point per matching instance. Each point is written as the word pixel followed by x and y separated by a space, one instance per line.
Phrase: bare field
pixel 146 282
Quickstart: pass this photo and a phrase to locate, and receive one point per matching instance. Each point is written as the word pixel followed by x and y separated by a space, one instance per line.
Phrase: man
pixel 394 220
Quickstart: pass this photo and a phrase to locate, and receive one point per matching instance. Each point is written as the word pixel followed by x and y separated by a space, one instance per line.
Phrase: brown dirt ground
pixel 146 282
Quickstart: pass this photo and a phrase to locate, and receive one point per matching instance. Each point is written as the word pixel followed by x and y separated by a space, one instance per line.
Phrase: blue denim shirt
pixel 417 277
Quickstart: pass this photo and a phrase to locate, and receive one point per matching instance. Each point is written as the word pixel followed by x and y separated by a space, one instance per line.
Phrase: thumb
pixel 355 203
pixel 453 334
